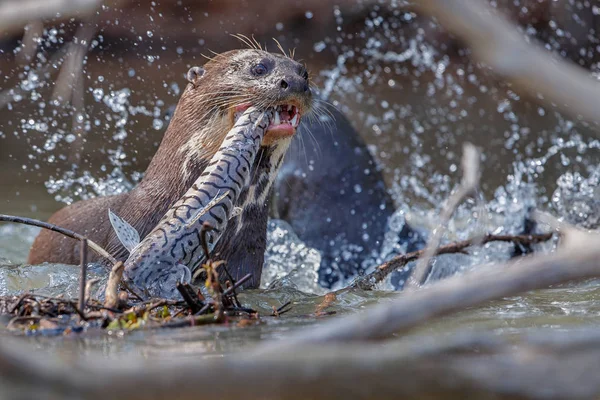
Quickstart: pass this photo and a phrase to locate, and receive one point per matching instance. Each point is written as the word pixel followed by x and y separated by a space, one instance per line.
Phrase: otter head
pixel 233 81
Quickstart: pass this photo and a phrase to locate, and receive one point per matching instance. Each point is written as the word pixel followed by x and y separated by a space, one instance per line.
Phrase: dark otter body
pixel 203 117
pixel 333 195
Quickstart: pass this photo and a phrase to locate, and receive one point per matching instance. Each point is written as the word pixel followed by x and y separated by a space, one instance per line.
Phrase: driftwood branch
pixel 500 44
pixel 300 367
pixel 15 14
pixel 559 366
pixel 468 186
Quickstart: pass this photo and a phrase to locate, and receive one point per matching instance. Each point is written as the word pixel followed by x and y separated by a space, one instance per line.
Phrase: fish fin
pixel 126 233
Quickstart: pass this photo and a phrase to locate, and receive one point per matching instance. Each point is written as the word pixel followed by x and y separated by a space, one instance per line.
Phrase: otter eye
pixel 259 69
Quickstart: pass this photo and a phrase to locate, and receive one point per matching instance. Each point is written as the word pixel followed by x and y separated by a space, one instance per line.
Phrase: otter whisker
pixel 258 44
pixel 244 39
pixel 280 47
pixel 303 149
pixel 316 142
pixel 321 106
pixel 207 57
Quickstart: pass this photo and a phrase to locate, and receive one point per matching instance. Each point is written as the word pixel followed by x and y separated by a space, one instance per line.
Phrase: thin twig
pixel 16 305
pixel 468 186
pixel 203 309
pixel 82 273
pixel 281 310
pixel 8 95
pixel 88 288
pixel 55 228
pixel 239 283
pixel 190 297
pixel 370 281
pixel 111 295
pixel 29 44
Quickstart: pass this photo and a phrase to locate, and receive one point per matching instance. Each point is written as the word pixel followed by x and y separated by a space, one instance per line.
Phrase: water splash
pixel 288 261
pixel 412 100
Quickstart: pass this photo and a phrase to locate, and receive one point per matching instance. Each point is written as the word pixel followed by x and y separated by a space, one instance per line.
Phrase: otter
pixel 228 83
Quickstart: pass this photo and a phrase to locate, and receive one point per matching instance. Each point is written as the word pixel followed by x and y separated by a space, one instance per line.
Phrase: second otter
pixel 231 82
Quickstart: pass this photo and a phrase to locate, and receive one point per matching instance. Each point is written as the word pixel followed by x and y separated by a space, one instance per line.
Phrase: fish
pixel 173 249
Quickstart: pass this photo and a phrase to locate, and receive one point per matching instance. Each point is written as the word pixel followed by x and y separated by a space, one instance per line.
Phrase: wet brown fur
pixel 201 120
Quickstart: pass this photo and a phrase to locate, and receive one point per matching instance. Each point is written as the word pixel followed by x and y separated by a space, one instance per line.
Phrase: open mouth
pixel 286 117
pixel 284 124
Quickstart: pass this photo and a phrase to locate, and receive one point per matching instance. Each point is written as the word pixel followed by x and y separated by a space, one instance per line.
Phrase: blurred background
pixel 411 90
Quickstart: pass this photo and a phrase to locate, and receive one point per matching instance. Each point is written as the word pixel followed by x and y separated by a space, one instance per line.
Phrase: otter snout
pixel 294 84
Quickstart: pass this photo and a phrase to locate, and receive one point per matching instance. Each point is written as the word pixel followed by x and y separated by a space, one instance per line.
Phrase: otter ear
pixel 194 74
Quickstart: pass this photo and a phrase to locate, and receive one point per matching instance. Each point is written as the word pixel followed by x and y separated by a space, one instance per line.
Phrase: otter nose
pixel 293 84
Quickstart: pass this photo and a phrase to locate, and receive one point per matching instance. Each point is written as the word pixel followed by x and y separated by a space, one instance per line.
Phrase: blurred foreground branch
pixel 551 366
pixel 529 66
pixel 15 14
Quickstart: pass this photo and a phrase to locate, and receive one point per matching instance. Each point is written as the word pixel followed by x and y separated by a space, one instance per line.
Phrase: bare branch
pixel 29 45
pixel 111 294
pixel 55 228
pixel 558 366
pixel 499 44
pixel 15 14
pixel 83 250
pixel 468 186
pixel 371 280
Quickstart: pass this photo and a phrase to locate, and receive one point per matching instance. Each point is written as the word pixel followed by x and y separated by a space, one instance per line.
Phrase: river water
pixel 415 102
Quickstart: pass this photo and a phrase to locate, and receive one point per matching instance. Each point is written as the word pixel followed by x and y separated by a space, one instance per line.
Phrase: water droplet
pixel 157 124
pixel 319 47
pixel 98 94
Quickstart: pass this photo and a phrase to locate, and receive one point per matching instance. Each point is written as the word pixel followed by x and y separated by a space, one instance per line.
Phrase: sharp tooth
pixel 277 120
pixel 295 120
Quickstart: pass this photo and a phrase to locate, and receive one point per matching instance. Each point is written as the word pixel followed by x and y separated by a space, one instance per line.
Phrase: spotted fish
pixel 173 249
